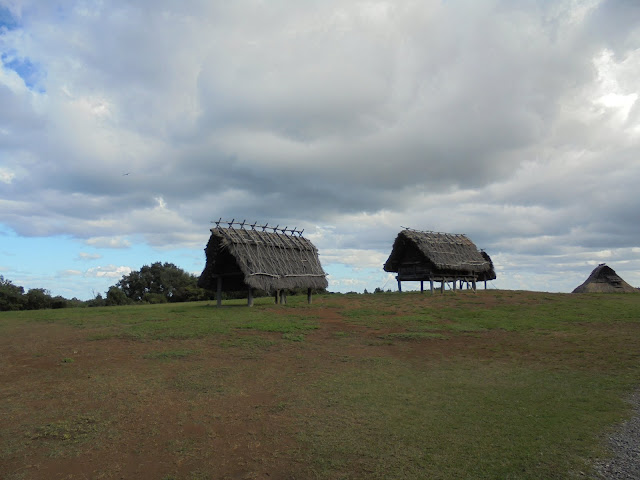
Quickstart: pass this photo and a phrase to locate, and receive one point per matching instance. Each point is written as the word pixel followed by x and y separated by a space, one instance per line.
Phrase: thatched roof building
pixel 604 279
pixel 443 257
pixel 239 259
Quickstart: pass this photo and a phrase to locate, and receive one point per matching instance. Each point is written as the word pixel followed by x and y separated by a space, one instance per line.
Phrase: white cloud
pixel 89 256
pixel 354 258
pixel 109 242
pixel 108 271
pixel 6 176
pixel 70 273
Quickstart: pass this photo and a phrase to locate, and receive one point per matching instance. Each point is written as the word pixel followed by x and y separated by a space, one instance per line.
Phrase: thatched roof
pixel 440 253
pixel 491 273
pixel 604 279
pixel 264 260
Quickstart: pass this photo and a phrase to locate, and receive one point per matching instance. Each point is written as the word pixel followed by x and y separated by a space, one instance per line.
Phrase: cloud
pixel 107 242
pixel 108 271
pixel 70 273
pixel 6 176
pixel 518 124
pixel 353 257
pixel 89 256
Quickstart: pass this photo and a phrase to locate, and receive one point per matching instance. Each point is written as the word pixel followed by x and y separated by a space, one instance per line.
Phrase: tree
pixel 116 296
pixel 59 302
pixel 159 282
pixel 38 299
pixel 97 301
pixel 11 296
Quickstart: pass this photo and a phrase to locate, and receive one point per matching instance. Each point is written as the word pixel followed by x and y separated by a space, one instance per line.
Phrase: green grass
pixel 466 311
pixel 293 337
pixel 456 420
pixel 66 437
pixel 413 336
pixel 499 384
pixel 79 428
pixel 171 354
pixel 167 321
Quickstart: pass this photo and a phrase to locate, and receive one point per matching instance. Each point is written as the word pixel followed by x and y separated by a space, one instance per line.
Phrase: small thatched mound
pixel 263 260
pixel 604 279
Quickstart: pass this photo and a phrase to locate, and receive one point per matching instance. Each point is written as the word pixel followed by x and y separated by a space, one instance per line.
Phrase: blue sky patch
pixel 30 73
pixel 7 20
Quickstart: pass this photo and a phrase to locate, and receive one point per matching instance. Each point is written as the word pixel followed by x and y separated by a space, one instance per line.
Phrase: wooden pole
pixel 431 282
pixel 455 281
pixel 421 286
pixel 277 296
pixel 309 296
pixel 219 292
pixel 442 286
pixel 250 297
pixel 399 285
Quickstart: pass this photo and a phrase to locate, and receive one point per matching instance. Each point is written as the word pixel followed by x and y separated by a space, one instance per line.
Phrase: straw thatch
pixel 262 260
pixel 489 274
pixel 418 255
pixel 604 279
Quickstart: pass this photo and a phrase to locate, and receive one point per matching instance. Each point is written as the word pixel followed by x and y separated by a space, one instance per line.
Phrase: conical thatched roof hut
pixel 443 257
pixel 239 259
pixel 604 279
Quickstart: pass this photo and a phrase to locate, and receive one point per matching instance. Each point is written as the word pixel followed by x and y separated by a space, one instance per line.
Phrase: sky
pixel 126 128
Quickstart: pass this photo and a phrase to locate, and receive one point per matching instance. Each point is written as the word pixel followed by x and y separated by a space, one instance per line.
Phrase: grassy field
pixel 498 384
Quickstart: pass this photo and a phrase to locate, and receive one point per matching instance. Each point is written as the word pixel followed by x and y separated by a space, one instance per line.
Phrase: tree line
pixel 13 297
pixel 155 283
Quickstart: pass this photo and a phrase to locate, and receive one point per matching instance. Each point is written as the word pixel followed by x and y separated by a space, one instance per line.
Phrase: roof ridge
pixel 253 226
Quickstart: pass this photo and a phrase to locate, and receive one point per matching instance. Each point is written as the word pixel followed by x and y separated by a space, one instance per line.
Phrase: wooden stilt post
pixel 277 296
pixel 309 296
pixel 473 284
pixel 399 285
pixel 283 297
pixel 442 286
pixel 250 297
pixel 485 284
pixel 219 292
pixel 455 281
pixel 421 286
pixel 431 282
